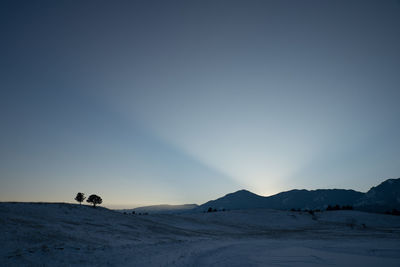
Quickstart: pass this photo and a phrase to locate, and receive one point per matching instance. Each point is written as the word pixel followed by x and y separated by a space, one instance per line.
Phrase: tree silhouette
pixel 94 199
pixel 80 197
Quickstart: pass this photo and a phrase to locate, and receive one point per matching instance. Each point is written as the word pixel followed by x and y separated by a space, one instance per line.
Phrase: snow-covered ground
pixel 69 235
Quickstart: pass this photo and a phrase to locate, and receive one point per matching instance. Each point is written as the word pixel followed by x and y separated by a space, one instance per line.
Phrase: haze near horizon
pixel 150 102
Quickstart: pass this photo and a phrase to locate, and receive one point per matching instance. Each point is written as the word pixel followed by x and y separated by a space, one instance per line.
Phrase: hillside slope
pixel 381 198
pixel 314 199
pixel 298 199
pixel 47 234
pixel 242 199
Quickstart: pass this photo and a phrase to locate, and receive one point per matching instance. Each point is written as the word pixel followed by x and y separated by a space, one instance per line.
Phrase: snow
pixel 165 208
pixel 56 234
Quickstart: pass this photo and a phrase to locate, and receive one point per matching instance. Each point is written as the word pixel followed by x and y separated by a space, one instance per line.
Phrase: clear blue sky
pixel 148 102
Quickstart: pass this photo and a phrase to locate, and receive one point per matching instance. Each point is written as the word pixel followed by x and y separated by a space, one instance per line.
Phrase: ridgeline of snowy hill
pixel 298 199
pixel 384 197
pixel 44 234
pixel 162 209
pixel 239 200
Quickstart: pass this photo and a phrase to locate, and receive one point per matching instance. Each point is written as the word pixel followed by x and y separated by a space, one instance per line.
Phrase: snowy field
pixel 73 235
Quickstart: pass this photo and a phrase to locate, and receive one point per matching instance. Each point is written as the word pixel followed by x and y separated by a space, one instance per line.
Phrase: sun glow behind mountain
pixel 261 132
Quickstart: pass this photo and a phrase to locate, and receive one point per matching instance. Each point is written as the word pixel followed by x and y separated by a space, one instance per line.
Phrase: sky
pixel 150 102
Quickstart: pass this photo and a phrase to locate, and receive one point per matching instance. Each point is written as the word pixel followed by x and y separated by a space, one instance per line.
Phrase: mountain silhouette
pixel 241 199
pixel 297 199
pixel 382 198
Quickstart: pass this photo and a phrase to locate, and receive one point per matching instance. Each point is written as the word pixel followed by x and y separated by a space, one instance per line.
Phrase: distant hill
pixel 242 199
pixel 314 199
pixel 298 199
pixel 381 198
pixel 165 208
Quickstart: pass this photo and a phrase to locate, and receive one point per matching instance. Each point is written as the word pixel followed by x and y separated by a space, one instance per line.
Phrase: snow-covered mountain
pixel 297 199
pixel 242 199
pixel 381 198
pixel 314 199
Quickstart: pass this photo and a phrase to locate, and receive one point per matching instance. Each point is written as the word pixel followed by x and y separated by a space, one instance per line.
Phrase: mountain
pixel 381 198
pixel 314 199
pixel 242 199
pixel 298 199
pixel 165 208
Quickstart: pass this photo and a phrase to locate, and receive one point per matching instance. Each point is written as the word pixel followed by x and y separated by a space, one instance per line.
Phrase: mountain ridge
pixel 381 198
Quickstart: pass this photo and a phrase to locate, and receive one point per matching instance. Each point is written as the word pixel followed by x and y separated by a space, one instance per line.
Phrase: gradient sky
pixel 148 102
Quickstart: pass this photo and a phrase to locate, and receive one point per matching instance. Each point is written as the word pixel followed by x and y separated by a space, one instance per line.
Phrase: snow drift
pixel 47 234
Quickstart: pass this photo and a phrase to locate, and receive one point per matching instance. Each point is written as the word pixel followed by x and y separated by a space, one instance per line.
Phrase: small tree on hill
pixel 80 197
pixel 95 200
